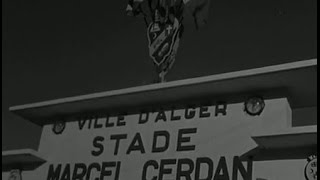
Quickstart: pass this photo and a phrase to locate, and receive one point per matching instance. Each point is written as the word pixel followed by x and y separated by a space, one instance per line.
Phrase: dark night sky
pixel 55 49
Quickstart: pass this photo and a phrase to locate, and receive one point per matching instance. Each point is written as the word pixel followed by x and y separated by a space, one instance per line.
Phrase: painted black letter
pixel 174 117
pixel 161 116
pixel 164 170
pixel 117 137
pixel 104 171
pixel 204 112
pixel 189 114
pixel 66 173
pixel 54 173
pixel 237 165
pixel 90 167
pixel 79 175
pixel 81 123
pixel 149 163
pixel 96 123
pixel 182 139
pixel 221 107
pixel 222 170
pixel 157 134
pixel 120 121
pixel 97 145
pixel 138 147
pixel 185 173
pixel 204 160
pixel 143 120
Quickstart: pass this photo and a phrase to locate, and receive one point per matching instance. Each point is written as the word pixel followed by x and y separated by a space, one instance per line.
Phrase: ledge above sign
pixel 291 143
pixel 296 81
pixel 23 159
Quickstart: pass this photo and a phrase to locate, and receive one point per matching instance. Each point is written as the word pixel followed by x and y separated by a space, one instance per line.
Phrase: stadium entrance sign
pixel 192 143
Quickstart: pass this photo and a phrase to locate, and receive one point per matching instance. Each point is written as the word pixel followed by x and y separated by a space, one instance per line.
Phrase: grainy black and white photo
pixel 159 90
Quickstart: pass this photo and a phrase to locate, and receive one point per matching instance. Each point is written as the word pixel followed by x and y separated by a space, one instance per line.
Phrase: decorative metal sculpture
pixel 164 26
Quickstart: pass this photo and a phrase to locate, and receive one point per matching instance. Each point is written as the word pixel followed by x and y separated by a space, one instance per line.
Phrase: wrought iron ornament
pixel 164 27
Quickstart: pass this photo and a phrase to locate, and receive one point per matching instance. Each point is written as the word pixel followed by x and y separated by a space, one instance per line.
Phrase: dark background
pixel 55 49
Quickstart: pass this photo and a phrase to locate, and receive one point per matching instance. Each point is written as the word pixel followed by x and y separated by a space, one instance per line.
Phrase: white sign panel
pixel 193 143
